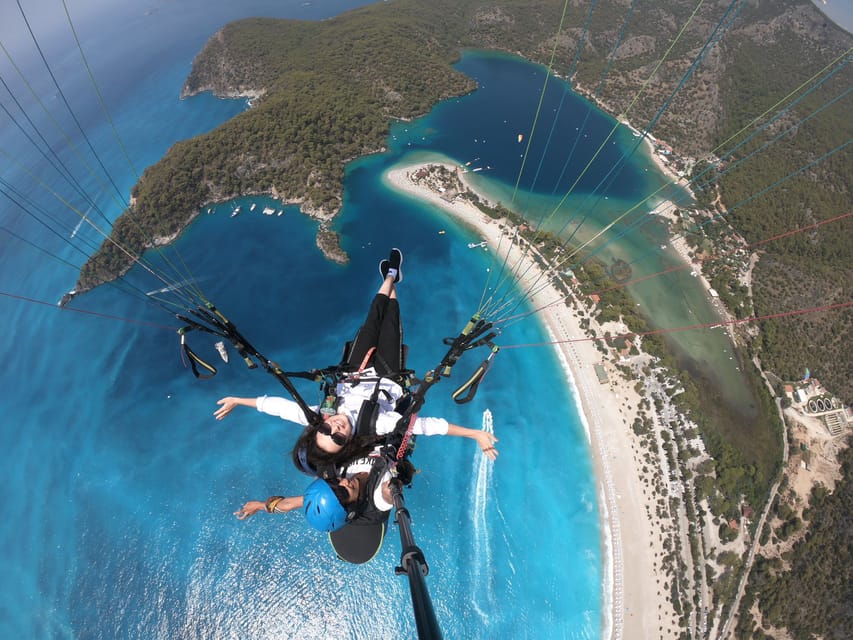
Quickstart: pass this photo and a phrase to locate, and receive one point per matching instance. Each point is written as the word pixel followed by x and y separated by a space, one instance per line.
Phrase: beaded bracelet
pixel 272 501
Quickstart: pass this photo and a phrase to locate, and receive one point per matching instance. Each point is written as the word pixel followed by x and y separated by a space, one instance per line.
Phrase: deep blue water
pixel 119 484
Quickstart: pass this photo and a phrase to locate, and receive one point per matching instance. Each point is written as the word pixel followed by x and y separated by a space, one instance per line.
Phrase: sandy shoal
pixel 632 598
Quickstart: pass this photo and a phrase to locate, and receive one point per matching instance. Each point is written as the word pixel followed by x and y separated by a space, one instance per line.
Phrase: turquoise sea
pixel 119 484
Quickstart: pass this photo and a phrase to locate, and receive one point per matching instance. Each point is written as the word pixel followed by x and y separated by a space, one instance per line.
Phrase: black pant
pixel 381 329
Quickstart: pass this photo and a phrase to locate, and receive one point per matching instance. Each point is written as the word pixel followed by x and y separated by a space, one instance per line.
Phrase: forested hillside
pixel 328 91
pixel 818 567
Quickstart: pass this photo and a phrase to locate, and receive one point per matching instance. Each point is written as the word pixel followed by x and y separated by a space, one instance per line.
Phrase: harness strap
pixel 222 326
pixel 376 470
pixel 476 333
pixel 369 413
pixel 404 445
pixel 367 356
pixel 195 361
pixel 355 378
pixel 471 337
pixel 473 383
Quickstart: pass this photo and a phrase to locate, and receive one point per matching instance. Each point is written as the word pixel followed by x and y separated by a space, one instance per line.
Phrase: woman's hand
pixel 249 509
pixel 227 406
pixel 487 441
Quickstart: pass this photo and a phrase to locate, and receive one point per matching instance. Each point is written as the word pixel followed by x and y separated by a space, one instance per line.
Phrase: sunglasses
pixel 338 438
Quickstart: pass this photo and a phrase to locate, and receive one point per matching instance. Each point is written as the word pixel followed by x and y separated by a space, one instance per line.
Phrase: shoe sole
pixel 384 265
pixel 399 277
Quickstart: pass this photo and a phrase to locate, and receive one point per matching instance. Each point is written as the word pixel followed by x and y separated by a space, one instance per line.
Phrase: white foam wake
pixel 173 287
pixel 82 220
pixel 481 478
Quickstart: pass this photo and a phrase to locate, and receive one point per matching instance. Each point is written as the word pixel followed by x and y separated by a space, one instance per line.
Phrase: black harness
pixel 477 332
pixel 365 512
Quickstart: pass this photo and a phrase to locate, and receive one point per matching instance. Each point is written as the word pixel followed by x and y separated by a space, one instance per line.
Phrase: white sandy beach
pixel 635 605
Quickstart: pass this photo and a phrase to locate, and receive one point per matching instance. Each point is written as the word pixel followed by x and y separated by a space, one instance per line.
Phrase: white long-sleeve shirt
pixel 351 397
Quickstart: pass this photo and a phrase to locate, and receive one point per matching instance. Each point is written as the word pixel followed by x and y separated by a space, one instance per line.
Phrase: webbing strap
pixel 355 377
pixel 473 383
pixel 401 452
pixel 368 414
pixel 196 361
pixel 475 334
pixel 367 356
pixel 222 326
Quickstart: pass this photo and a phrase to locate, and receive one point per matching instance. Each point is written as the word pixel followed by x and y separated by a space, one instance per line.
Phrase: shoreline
pixel 664 167
pixel 632 605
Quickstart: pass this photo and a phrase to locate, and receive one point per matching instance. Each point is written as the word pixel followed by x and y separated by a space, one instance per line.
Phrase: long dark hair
pixel 324 463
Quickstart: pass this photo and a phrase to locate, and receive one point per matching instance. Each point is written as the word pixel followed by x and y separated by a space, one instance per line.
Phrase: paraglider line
pixel 87 312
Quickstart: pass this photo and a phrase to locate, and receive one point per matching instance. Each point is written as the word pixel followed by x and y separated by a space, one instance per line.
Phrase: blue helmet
pixel 322 508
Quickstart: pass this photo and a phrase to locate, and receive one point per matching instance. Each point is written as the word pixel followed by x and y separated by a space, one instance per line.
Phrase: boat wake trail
pixel 83 219
pixel 172 287
pixel 481 480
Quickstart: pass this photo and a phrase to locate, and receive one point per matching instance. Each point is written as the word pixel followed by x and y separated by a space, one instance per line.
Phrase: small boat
pixel 268 211
pixel 442 232
pixel 77 228
pixel 280 211
pixel 220 347
pixel 252 208
pixel 235 212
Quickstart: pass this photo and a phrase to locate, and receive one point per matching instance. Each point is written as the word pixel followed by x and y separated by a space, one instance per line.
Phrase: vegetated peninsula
pixel 325 93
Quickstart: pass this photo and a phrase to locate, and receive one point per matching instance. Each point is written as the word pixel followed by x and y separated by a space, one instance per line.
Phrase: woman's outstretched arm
pixel 273 504
pixel 227 404
pixel 486 441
